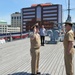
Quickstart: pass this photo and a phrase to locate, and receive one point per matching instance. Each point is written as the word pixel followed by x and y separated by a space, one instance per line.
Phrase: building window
pixel 29 16
pixel 24 29
pixel 26 10
pixel 50 14
pixel 55 18
pixel 17 17
pixel 24 22
pixel 51 7
pixel 27 19
pixel 50 11
pixel 27 13
pixel 12 17
pixel 20 17
pixel 38 13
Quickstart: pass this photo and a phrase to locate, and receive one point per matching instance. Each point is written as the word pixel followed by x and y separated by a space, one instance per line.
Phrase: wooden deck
pixel 15 58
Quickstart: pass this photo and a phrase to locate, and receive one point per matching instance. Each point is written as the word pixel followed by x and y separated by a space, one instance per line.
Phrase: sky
pixel 7 7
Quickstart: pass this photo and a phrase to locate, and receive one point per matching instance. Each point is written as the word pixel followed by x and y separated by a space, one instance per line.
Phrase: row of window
pixel 16 17
pixel 39 16
pixel 24 29
pixel 49 15
pixel 31 9
pixel 24 26
pixel 48 18
pixel 13 29
pixel 15 21
pixel 50 11
pixel 29 16
pixel 26 13
pixel 3 27
pixel 54 18
pixel 24 22
pixel 27 19
pixel 51 7
pixel 47 11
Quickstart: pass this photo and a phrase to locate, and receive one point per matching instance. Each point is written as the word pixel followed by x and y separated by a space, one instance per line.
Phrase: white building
pixel 13 29
pixel 16 19
pixel 3 26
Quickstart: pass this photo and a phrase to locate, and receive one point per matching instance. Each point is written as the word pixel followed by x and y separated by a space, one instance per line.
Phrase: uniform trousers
pixel 42 40
pixel 35 54
pixel 68 63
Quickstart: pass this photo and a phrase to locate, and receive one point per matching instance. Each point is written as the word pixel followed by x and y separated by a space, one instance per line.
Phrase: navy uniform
pixel 69 37
pixel 35 52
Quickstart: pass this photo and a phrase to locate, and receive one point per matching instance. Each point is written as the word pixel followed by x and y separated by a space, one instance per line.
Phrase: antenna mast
pixel 69 17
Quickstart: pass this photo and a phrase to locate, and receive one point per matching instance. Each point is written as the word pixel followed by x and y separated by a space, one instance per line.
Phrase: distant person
pixel 35 50
pixel 42 35
pixel 68 48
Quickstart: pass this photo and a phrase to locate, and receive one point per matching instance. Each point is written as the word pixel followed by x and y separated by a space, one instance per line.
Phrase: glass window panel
pixel 54 7
pixel 60 14
pixel 54 21
pixel 14 17
pixel 20 17
pixel 38 13
pixel 17 17
pixel 29 13
pixel 24 26
pixel 50 15
pixel 28 9
pixel 50 18
pixel 49 11
pixel 24 29
pixel 27 19
pixel 28 16
pixel 24 23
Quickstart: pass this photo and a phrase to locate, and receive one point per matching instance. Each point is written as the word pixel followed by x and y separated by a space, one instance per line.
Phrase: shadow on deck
pixel 25 73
